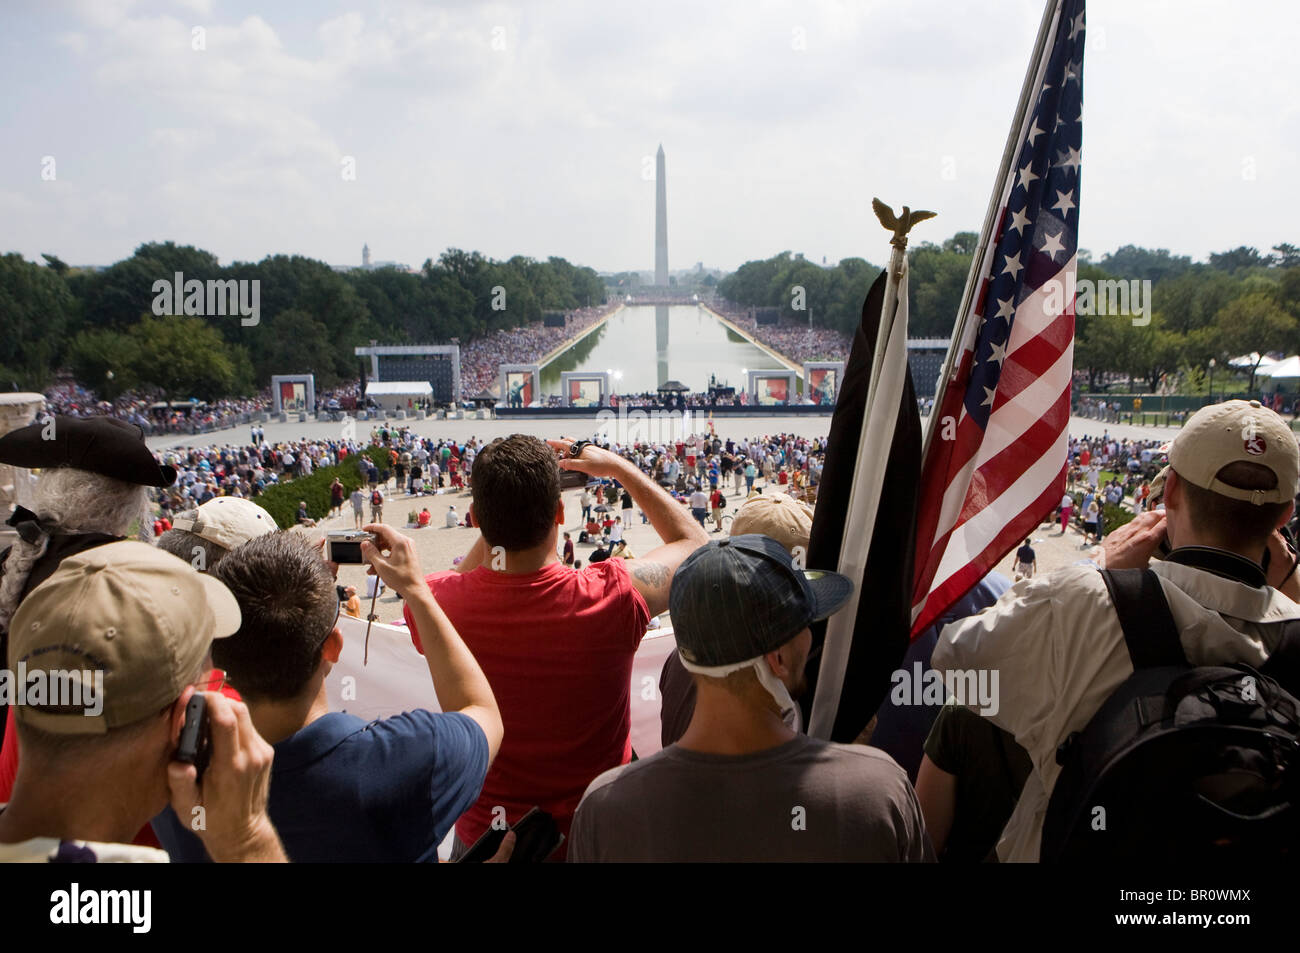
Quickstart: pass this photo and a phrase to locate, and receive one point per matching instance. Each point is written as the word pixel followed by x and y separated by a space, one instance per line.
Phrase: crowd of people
pixel 480 359
pixel 530 657
pixel 796 340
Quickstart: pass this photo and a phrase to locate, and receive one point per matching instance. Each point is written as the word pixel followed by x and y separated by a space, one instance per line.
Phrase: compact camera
pixel 344 545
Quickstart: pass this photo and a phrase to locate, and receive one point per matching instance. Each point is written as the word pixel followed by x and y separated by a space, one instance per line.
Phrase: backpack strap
pixel 1144 615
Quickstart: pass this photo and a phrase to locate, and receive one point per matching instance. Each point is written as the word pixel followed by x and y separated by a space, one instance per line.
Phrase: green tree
pixel 104 361
pixel 37 309
pixel 1252 323
pixel 182 357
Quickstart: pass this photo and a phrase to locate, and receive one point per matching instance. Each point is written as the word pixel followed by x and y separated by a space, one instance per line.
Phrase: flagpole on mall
pixel 979 266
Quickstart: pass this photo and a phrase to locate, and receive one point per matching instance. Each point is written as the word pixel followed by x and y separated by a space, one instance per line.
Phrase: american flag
pixel 997 456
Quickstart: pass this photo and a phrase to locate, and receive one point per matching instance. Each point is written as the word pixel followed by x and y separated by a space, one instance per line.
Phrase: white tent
pixel 1247 361
pixel 393 395
pixel 1283 370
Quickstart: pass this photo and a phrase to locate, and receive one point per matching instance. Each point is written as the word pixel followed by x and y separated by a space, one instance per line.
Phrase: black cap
pixel 738 598
pixel 103 445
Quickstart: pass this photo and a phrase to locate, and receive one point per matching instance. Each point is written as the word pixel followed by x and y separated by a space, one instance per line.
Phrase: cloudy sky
pixel 530 128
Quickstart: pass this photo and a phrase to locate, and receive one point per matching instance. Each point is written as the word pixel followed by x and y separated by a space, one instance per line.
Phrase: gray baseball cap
pixel 738 598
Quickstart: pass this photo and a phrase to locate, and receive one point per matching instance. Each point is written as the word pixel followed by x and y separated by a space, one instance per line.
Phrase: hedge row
pixel 1112 516
pixel 281 500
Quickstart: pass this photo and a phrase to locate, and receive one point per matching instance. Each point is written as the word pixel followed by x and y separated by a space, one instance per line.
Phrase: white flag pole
pixel 879 420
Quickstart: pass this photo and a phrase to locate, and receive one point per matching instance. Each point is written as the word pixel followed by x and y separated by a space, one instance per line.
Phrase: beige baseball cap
pixel 125 626
pixel 1237 431
pixel 228 521
pixel 779 516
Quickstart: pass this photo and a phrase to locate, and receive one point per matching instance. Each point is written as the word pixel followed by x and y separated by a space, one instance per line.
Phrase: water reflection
pixel 688 344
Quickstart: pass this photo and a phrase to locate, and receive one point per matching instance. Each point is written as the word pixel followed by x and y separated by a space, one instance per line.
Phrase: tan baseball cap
pixel 779 516
pixel 124 617
pixel 1237 431
pixel 228 521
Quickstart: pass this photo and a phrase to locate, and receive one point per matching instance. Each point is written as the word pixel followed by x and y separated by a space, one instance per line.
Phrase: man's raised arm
pixel 681 535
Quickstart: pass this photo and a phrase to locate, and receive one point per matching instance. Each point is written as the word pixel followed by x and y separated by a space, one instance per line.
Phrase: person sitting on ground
pixel 303 518
pixel 741 784
pixel 451 519
pixel 344 789
pixel 92 776
pixel 351 603
pixel 557 644
pixel 424 518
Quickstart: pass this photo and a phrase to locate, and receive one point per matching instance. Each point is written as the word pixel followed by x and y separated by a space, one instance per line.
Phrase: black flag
pixel 880 634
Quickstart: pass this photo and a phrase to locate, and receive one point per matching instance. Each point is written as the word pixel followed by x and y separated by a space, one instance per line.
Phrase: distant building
pixel 365 256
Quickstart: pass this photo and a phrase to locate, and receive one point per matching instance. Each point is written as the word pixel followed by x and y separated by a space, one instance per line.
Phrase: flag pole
pixel 979 266
pixel 879 418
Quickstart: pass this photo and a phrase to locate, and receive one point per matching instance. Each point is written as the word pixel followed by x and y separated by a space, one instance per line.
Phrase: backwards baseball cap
pixel 103 445
pixel 779 516
pixel 140 616
pixel 227 521
pixel 1237 431
pixel 736 599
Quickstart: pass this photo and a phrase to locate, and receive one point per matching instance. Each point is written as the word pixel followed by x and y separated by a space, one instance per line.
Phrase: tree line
pixel 1238 302
pixel 102 327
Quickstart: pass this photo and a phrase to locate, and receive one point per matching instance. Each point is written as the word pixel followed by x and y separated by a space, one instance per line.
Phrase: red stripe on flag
pixel 965 579
pixel 999 473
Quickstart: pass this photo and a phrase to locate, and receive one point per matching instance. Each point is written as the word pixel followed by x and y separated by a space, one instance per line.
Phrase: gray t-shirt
pixel 805 800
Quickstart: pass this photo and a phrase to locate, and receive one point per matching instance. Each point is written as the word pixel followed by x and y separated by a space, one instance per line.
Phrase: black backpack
pixel 1181 763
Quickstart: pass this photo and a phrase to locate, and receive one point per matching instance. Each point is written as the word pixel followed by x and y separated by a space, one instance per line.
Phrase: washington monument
pixel 661 222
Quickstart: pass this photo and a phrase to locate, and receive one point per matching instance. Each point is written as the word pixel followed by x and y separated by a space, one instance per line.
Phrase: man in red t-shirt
pixel 715 507
pixel 556 645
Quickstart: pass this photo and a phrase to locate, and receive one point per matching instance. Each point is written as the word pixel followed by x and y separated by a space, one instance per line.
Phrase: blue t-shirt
pixel 343 790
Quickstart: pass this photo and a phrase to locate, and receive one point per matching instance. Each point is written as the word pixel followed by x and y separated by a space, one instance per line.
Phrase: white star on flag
pixel 1005 309
pixel 999 352
pixel 1076 26
pixel 1013 265
pixel 1064 201
pixel 1034 133
pixel 1070 159
pixel 1026 176
pixel 1052 244
pixel 1019 220
pixel 988 397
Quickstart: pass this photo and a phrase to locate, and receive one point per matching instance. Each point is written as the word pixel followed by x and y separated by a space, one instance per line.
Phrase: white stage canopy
pixel 393 395
pixel 1283 370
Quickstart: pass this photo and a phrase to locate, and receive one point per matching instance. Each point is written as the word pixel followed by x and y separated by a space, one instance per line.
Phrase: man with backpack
pixel 376 505
pixel 1092 663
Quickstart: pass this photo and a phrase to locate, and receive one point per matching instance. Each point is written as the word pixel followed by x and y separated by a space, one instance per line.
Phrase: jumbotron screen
pixel 435 368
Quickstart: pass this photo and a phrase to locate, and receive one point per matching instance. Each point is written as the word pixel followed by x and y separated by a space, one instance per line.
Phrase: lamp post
pixel 1211 380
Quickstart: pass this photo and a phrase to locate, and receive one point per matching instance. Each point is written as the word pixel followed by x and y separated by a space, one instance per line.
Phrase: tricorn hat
pixel 103 445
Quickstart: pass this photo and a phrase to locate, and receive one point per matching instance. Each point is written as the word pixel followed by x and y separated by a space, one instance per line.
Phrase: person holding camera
pixel 557 645
pixel 344 789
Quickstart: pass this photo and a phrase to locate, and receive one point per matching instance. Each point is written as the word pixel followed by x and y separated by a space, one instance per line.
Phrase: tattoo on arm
pixel 654 575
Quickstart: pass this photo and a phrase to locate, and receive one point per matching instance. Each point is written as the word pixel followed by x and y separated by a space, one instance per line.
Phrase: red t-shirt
pixel 423 518
pixel 557 648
